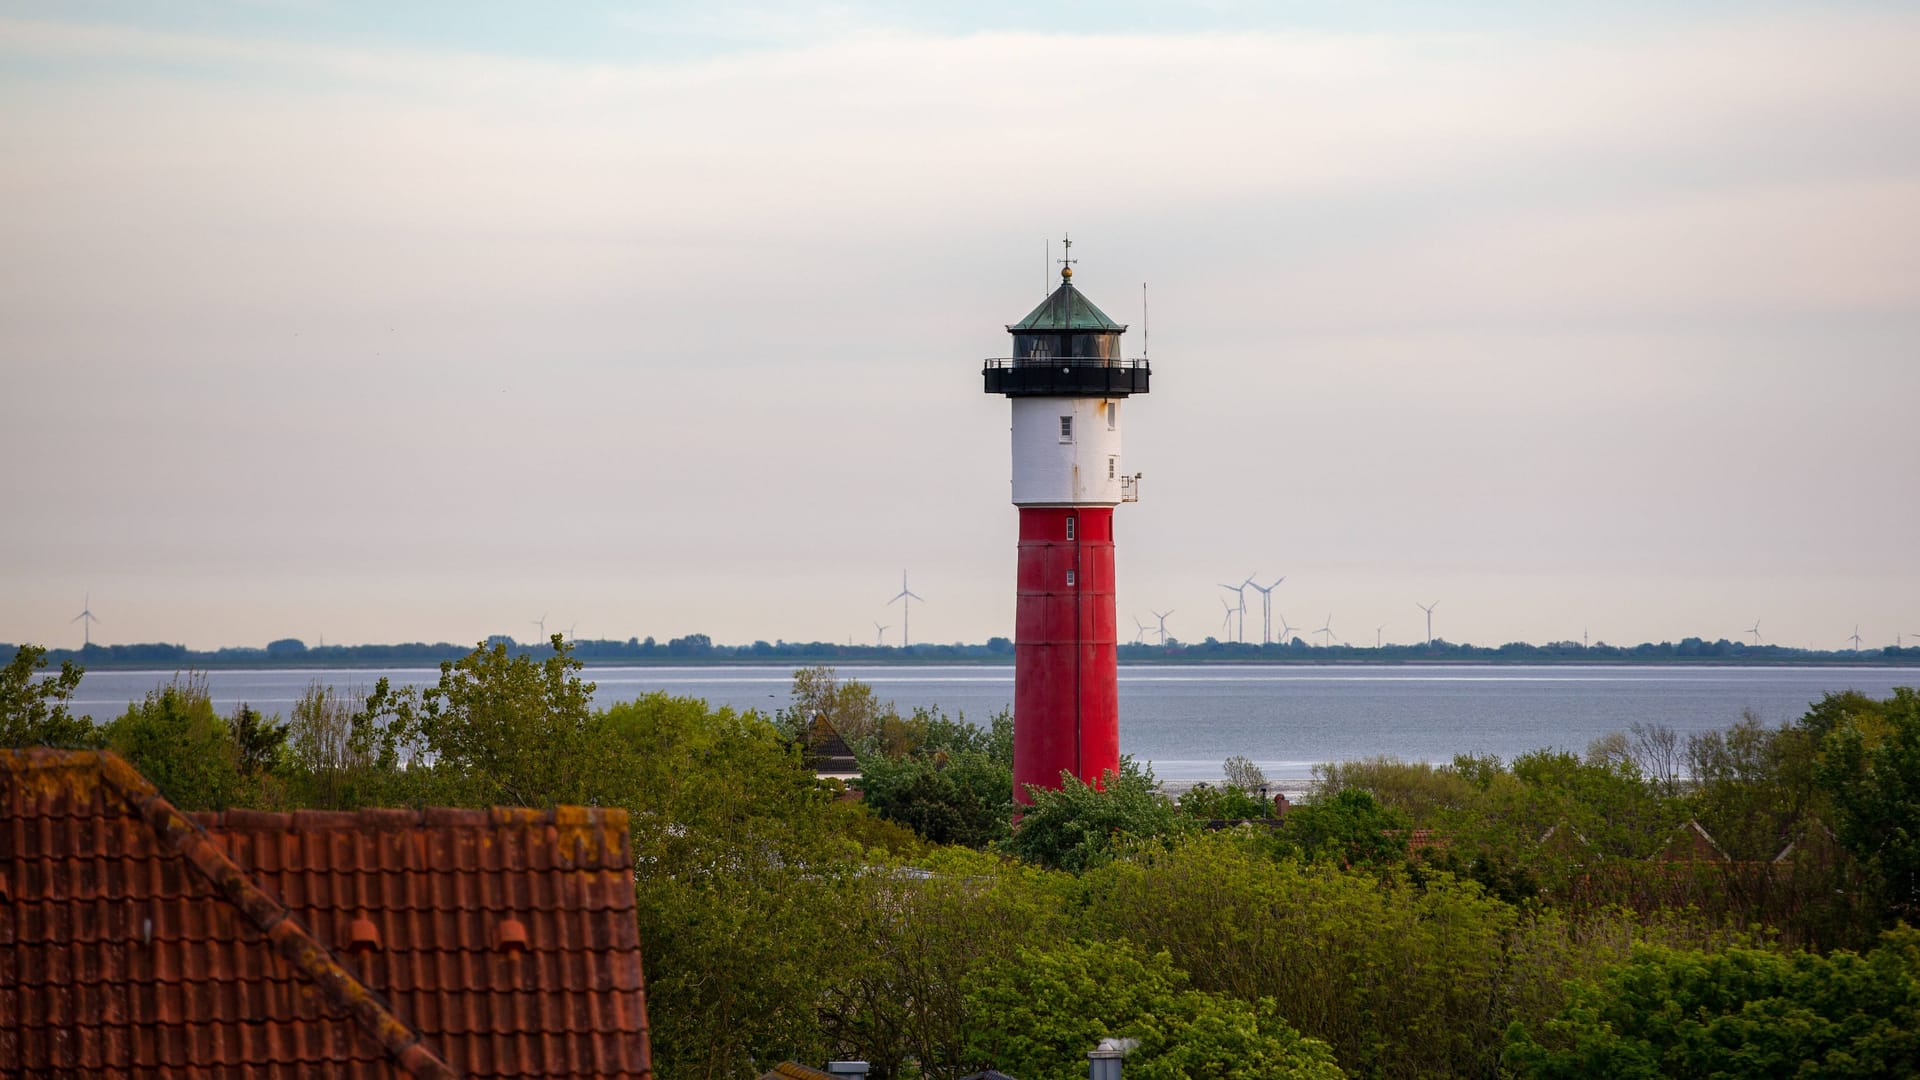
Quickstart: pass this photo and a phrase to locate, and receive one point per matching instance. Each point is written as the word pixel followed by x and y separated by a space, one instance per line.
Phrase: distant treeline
pixel 701 649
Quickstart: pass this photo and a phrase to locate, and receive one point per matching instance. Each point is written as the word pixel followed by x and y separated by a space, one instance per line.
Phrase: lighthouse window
pixel 1069 579
pixel 1066 429
pixel 1070 528
pixel 1113 463
pixel 1113 415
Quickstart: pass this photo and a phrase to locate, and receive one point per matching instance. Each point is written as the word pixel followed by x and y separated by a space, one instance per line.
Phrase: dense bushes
pixel 1738 1012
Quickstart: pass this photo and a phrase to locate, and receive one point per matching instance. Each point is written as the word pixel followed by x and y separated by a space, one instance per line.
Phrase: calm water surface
pixel 1186 720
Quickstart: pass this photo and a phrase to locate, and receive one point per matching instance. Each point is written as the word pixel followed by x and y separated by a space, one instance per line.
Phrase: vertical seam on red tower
pixel 1079 651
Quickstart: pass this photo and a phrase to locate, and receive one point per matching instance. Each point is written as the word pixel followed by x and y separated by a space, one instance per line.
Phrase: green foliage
pixel 1350 828
pixel 746 883
pixel 1418 789
pixel 1240 771
pixel 916 937
pixel 1231 802
pixel 497 728
pixel 1870 769
pixel 1036 1014
pixel 851 708
pixel 177 740
pixel 33 712
pixel 1736 1013
pixel 323 765
pixel 1402 978
pixel 1080 825
pixel 964 797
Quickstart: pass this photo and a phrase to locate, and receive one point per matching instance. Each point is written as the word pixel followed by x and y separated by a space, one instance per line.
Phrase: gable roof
pixel 1691 843
pixel 426 943
pixel 1066 309
pixel 827 753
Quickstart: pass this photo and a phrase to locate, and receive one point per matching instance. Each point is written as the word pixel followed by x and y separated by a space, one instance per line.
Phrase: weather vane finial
pixel 1066 263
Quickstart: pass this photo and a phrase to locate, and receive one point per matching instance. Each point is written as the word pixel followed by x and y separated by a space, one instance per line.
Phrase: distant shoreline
pixel 205 662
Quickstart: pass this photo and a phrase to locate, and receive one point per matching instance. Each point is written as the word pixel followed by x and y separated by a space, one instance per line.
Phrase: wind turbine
pixel 570 627
pixel 1428 608
pixel 1286 629
pixel 1266 606
pixel 1755 631
pixel 1140 634
pixel 1856 637
pixel 1327 630
pixel 906 609
pixel 86 627
pixel 879 634
pixel 1162 616
pixel 1226 624
pixel 1376 634
pixel 541 622
pixel 1240 591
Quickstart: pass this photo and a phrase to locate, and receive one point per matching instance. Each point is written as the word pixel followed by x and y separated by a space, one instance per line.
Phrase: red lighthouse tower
pixel 1067 381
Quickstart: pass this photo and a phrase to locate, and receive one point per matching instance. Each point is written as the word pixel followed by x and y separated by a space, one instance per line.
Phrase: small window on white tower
pixel 1113 466
pixel 1070 522
pixel 1066 429
pixel 1069 579
pixel 1113 415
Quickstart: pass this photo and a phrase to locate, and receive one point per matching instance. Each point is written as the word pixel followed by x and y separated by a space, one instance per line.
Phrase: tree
pixel 33 712
pixel 497 728
pixel 1350 828
pixel 1736 1013
pixel 1242 773
pixel 1078 825
pixel 1036 1013
pixel 960 798
pixel 177 740
pixel 1871 771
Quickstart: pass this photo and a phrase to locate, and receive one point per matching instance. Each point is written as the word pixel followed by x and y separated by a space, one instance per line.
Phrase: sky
pixel 375 323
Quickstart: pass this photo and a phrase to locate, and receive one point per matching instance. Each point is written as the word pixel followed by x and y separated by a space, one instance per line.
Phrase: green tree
pixel 1736 1013
pixel 1036 1014
pixel 497 727
pixel 177 740
pixel 1230 802
pixel 1350 828
pixel 1871 771
pixel 1079 825
pixel 33 712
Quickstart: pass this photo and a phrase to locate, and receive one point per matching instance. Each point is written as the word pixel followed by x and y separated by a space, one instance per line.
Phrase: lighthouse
pixel 1068 384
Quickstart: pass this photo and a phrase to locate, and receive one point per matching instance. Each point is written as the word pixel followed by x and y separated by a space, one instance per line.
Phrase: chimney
pixel 1103 1061
pixel 847 1068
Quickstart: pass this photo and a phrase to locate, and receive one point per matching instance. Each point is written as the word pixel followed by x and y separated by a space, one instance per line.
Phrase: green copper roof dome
pixel 1066 309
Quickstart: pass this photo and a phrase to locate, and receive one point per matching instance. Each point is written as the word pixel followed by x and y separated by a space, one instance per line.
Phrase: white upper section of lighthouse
pixel 1066 451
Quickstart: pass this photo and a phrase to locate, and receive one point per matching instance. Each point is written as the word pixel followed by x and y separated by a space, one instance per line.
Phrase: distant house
pixel 135 938
pixel 1691 843
pixel 828 755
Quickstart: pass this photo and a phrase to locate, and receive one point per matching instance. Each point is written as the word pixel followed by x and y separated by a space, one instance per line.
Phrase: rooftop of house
pixel 426 943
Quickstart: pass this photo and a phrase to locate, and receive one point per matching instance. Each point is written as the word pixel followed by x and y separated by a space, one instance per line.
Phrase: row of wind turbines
pixel 1234 618
pixel 1899 640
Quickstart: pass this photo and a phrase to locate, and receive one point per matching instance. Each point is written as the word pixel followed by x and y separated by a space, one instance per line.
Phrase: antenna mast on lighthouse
pixel 1066 380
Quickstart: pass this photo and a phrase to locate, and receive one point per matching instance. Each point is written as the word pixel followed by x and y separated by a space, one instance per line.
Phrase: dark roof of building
pixel 827 753
pixel 427 943
pixel 1067 309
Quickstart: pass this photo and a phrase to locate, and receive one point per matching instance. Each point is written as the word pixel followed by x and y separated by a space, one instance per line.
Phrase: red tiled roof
pixel 428 943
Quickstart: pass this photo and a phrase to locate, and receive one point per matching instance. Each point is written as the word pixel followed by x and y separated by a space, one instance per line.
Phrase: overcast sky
pixel 326 321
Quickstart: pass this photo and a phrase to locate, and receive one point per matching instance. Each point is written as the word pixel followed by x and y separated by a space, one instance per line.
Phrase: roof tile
pixel 143 938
